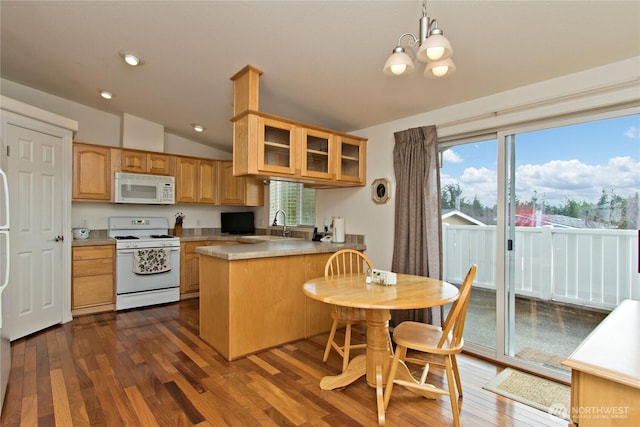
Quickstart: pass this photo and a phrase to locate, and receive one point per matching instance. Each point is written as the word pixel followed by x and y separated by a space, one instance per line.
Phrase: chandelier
pixel 434 49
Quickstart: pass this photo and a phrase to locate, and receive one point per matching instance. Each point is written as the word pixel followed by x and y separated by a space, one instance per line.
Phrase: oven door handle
pixel 130 251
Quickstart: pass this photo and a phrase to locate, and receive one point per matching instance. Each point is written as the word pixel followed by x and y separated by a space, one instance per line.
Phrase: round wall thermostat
pixel 380 190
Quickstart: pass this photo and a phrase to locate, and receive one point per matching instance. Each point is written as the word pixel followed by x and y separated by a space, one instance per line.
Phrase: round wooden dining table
pixel 352 290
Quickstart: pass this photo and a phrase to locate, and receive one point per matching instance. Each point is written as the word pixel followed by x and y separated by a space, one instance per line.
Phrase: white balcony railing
pixel 589 267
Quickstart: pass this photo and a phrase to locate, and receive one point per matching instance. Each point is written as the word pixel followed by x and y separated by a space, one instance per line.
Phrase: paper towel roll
pixel 338 230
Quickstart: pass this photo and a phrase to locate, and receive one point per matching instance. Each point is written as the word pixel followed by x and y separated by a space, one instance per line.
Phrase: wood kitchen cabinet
pixel 93 167
pixel 196 180
pixel 269 146
pixel 145 162
pixel 605 372
pixel 186 180
pixel 276 146
pixel 190 266
pixel 318 153
pixel 236 190
pixel 248 305
pixel 266 146
pixel 92 283
pixel 207 181
pixel 351 160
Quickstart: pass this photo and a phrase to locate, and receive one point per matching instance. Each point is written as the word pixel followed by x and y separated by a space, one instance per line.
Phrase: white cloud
pixel 554 181
pixel 559 180
pixel 633 132
pixel 475 182
pixel 451 156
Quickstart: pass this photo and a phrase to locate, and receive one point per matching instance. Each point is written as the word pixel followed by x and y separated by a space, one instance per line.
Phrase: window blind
pixel 298 202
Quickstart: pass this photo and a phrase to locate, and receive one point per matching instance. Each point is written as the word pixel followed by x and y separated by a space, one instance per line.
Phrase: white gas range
pixel 147 261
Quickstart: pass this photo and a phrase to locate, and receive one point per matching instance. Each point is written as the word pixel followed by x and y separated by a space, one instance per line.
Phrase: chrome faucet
pixel 285 229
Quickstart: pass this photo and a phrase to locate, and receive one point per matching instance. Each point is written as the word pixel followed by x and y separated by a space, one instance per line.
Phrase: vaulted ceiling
pixel 322 60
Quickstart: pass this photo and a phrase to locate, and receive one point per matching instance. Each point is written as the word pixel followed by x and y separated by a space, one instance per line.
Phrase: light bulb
pixel 398 69
pixel 435 53
pixel 106 94
pixel 440 70
pixel 398 63
pixel 131 59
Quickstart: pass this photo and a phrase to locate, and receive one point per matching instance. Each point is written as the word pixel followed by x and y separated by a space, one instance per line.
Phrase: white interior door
pixel 35 173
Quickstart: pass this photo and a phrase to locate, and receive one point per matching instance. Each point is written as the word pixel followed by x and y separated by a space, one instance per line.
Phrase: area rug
pixel 542 394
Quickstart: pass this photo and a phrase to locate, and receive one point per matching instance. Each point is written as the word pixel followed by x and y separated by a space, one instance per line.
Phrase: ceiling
pixel 322 60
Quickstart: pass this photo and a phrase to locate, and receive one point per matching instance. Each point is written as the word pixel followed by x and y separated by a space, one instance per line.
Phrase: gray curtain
pixel 418 224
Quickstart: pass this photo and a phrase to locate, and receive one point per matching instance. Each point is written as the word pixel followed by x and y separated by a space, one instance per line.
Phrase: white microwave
pixel 144 189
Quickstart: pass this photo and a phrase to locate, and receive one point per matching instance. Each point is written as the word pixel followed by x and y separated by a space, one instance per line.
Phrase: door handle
pixel 58 238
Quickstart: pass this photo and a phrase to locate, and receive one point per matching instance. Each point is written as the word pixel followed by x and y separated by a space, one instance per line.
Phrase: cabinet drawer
pixel 93 252
pixel 92 267
pixel 93 290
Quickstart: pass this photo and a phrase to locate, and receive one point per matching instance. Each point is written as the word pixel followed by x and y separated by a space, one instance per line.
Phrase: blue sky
pixel 574 162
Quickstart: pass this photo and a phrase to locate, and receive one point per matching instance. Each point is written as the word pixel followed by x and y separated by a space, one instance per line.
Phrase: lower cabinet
pixel 249 305
pixel 92 284
pixel 190 266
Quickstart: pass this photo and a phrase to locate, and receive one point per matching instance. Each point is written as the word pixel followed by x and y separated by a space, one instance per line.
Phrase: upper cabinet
pixel 145 162
pixel 196 180
pixel 318 148
pixel 92 172
pixel 276 145
pixel 208 181
pixel 234 190
pixel 268 146
pixel 351 159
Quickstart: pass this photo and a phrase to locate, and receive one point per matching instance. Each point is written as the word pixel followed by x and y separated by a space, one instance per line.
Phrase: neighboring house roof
pixel 564 221
pixel 455 216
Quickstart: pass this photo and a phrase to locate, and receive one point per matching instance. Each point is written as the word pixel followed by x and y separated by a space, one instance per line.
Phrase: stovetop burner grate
pixel 125 237
pixel 161 236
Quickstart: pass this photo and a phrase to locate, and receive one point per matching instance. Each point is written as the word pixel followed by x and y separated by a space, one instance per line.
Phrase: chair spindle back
pixel 454 324
pixel 347 261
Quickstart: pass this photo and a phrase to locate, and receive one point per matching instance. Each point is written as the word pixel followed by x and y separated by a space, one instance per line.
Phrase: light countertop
pixel 93 241
pixel 251 247
pixel 274 248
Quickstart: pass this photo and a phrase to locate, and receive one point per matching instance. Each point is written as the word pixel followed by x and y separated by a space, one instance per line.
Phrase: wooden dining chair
pixel 343 262
pixel 443 341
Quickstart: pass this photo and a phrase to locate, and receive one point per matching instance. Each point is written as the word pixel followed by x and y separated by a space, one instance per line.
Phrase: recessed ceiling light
pixel 105 94
pixel 131 58
pixel 197 128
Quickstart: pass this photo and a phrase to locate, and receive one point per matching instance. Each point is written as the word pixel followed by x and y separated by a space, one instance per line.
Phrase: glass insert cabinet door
pixel 317 153
pixel 351 159
pixel 276 146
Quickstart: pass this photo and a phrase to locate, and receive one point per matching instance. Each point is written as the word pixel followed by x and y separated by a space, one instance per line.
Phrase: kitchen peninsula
pixel 251 295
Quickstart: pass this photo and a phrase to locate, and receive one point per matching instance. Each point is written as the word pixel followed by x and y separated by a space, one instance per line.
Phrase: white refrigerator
pixel 5 346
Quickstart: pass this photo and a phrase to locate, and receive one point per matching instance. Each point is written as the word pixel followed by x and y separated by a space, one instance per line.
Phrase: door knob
pixel 58 239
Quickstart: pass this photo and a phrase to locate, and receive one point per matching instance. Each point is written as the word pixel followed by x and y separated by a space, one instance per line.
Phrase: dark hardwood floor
pixel 148 367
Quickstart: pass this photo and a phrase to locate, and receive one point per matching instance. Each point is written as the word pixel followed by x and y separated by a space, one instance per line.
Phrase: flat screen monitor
pixel 237 222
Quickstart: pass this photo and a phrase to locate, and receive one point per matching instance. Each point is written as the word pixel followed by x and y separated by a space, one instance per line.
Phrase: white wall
pixel 551 98
pixel 96 127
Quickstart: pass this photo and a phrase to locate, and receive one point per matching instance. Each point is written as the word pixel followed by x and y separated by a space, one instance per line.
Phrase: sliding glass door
pixel 551 215
pixel 571 199
pixel 469 201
